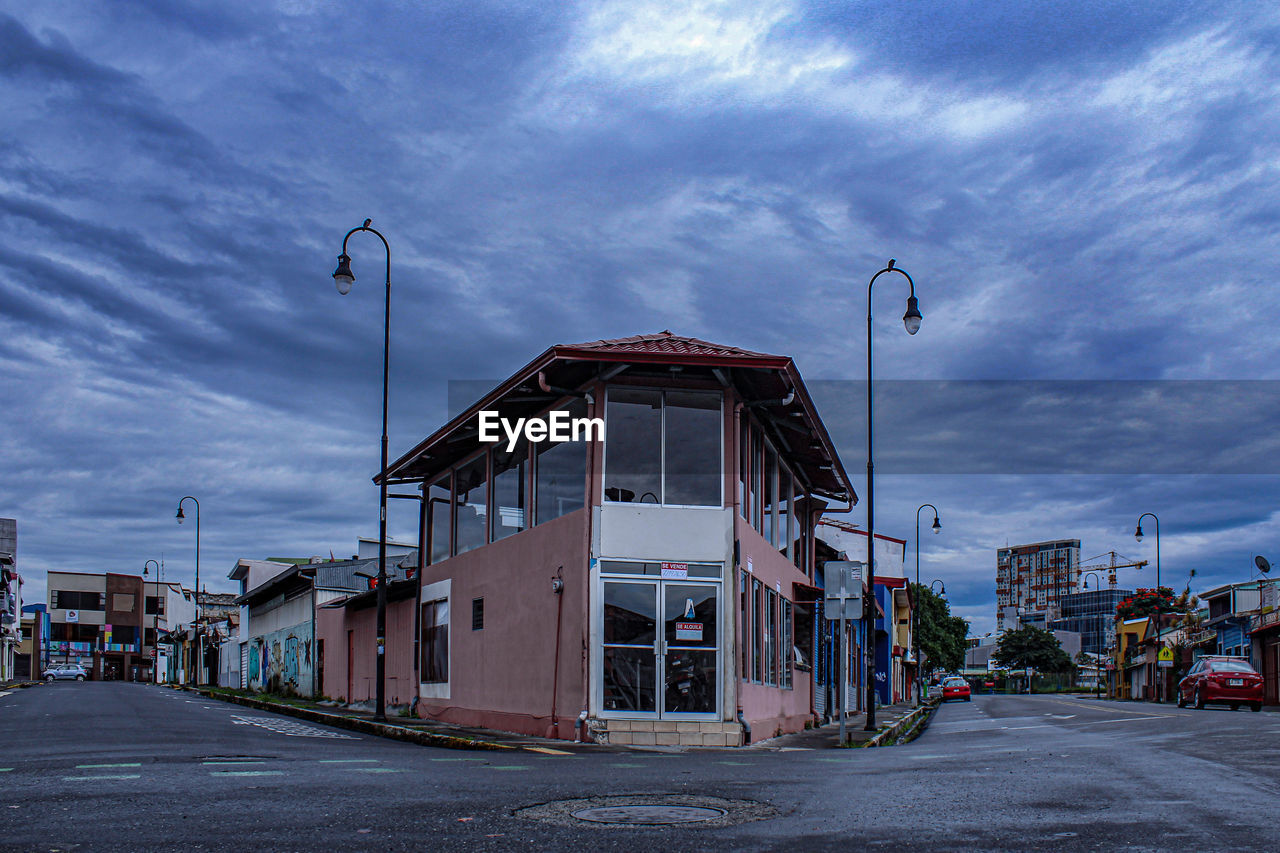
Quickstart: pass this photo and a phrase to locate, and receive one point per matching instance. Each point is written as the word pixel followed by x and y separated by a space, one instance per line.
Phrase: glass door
pixel 667 673
pixel 630 677
pixel 690 665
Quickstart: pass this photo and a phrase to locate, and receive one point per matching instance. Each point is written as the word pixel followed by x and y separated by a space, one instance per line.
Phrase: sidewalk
pixel 891 721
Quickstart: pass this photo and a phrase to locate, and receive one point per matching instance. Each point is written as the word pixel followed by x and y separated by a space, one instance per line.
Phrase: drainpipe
pixel 579 730
pixel 746 728
pixel 589 505
pixel 557 588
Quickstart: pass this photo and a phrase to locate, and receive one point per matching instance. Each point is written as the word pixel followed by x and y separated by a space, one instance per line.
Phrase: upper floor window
pixel 663 447
pixel 439 502
pixel 470 492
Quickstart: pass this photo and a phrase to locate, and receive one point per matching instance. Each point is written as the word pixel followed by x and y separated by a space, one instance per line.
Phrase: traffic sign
pixel 1165 657
pixel 843 593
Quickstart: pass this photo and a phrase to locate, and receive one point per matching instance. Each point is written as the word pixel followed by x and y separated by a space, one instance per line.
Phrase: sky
pixel 1085 195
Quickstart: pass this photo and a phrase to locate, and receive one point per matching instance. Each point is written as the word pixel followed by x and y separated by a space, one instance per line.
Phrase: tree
pixel 1146 602
pixel 1030 647
pixel 940 635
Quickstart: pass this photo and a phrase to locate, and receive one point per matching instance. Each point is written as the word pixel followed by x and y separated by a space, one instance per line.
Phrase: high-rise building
pixel 1091 614
pixel 1031 581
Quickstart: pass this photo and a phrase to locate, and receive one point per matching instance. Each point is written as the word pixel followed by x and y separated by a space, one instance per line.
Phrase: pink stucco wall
pixel 354 681
pixel 768 709
pixel 502 676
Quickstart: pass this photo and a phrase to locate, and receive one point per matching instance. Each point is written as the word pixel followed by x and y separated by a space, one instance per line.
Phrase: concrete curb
pixel 356 724
pixel 890 734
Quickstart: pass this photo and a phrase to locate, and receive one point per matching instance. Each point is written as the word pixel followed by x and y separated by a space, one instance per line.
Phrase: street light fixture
pixel 915 618
pixel 344 278
pixel 199 637
pixel 1137 534
pixel 942 591
pixel 155 620
pixel 911 321
pixel 1095 578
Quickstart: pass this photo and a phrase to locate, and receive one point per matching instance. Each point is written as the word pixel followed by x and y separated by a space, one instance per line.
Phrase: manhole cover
pixel 649 815
pixel 656 810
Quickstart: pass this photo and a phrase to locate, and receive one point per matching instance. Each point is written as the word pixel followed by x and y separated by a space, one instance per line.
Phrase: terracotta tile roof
pixel 664 343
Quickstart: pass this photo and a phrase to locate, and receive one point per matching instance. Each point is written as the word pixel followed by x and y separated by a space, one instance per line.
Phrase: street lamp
pixel 911 320
pixel 1137 534
pixel 1095 578
pixel 343 277
pixel 942 590
pixel 199 636
pixel 155 620
pixel 915 618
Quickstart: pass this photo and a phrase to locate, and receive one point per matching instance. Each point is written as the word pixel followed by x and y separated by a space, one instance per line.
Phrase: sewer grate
pixel 649 815
pixel 642 810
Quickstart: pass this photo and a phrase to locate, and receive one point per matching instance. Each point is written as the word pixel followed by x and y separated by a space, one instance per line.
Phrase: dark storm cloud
pixel 1081 192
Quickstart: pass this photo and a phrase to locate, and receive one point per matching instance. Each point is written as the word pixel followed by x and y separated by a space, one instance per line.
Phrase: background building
pixel 10 600
pixel 1031 581
pixel 1092 615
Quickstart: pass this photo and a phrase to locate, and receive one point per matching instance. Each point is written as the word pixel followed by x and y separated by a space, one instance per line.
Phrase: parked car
pixel 955 688
pixel 1221 681
pixel 66 672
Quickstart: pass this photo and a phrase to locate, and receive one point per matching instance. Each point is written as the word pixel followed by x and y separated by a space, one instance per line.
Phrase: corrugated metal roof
pixel 664 343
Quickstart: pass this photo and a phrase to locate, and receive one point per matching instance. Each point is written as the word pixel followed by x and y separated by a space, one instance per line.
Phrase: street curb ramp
pixel 357 724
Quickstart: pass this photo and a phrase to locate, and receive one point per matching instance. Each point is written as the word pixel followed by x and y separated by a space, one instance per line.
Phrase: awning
pixel 803 593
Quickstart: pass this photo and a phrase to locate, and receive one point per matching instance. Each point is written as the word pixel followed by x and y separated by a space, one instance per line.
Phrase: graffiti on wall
pixel 280 662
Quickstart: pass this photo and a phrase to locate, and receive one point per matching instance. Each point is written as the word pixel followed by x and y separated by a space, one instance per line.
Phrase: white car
pixel 66 672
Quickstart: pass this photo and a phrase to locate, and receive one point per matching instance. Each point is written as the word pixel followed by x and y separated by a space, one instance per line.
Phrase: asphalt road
pixel 113 766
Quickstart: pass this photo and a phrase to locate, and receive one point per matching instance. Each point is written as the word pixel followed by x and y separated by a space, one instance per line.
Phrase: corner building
pixel 650 588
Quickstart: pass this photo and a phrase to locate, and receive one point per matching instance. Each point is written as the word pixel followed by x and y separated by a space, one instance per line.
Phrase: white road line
pixel 247 773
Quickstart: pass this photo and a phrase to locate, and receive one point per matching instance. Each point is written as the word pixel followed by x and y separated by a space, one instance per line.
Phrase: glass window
pixel 770 637
pixel 744 469
pixel 633 442
pixel 121 601
pixel 692 461
pixel 744 622
pixel 757 479
pixel 769 518
pixel 438 526
pixel 470 498
pixel 435 641
pixel 508 490
pixel 154 605
pixel 757 630
pixel 560 476
pixel 784 510
pixel 788 644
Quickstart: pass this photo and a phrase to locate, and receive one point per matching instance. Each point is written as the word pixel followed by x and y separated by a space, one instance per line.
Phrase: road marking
pixel 5 769
pixel 737 763
pixel 245 761
pixel 509 767
pixel 376 770
pixel 124 764
pixel 546 750
pixel 626 765
pixel 5 692
pixel 287 727
pixel 459 759
pixel 103 776
pixel 362 760
pixel 247 773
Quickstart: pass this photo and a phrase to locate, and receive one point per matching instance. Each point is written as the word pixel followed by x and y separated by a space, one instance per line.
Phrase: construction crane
pixel 1110 566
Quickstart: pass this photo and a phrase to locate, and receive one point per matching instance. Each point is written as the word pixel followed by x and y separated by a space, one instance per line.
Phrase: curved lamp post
pixel 200 636
pixel 343 277
pixel 942 591
pixel 911 320
pixel 155 620
pixel 1137 534
pixel 915 617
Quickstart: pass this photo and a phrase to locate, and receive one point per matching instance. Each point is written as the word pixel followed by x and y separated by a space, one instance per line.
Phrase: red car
pixel 1221 681
pixel 955 688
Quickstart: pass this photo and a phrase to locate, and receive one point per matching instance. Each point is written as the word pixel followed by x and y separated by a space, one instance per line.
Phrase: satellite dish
pixel 1262 564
